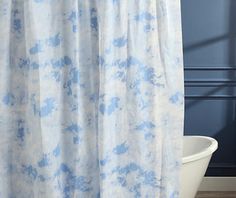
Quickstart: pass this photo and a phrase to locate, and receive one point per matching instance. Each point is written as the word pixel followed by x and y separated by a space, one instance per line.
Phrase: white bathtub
pixel 197 152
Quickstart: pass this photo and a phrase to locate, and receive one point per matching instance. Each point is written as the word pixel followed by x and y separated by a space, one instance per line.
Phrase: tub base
pixel 191 177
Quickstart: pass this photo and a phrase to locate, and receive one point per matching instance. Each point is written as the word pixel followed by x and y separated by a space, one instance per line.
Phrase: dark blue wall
pixel 209 34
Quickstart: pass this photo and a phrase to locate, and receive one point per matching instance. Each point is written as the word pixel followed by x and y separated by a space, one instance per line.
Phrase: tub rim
pixel 203 153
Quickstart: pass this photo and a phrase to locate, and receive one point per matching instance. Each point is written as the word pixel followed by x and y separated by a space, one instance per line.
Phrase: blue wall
pixel 209 33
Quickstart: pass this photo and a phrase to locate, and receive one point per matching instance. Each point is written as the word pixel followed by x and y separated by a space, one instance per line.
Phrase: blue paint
pixel 58 63
pixel 15 12
pixel 72 182
pixel 148 74
pixel 56 75
pixel 147 28
pixel 21 133
pixel 44 161
pixel 82 184
pixel 177 98
pixel 111 107
pixel 57 151
pixel 145 125
pixel 24 63
pixel 144 177
pixel 127 169
pixel 17 25
pixel 144 16
pixel 94 23
pixel 122 63
pixel 125 64
pixel 72 16
pixel 74 128
pixel 101 61
pixel 135 86
pixel 34 65
pixel 116 1
pixel 93 19
pixel 9 99
pixel 150 179
pixel 54 41
pixel 74 28
pixel 48 107
pixel 94 97
pixel 103 162
pixel 131 61
pixel 34 104
pixel 120 75
pixel 149 136
pixel 120 42
pixel 102 108
pixel 121 149
pixel 41 178
pixel 73 78
pixel 64 168
pixel 102 176
pixel 136 190
pixel 66 60
pixel 30 171
pixel 76 140
pixel 36 48
pixel 74 75
pixel 122 181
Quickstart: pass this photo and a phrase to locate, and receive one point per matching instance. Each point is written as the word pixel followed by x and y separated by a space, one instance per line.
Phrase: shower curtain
pixel 91 98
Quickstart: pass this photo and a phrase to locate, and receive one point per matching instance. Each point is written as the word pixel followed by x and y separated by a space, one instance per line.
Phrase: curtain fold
pixel 91 98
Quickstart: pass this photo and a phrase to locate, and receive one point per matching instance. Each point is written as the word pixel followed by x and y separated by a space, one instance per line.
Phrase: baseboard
pixel 218 184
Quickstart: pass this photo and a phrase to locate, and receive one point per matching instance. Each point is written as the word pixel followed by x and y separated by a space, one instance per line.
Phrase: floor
pixel 216 194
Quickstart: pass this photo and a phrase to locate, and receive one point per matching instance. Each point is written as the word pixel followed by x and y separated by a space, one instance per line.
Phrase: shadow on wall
pixel 231 37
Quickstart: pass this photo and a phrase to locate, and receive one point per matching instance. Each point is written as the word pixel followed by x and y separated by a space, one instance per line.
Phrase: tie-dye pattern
pixel 91 98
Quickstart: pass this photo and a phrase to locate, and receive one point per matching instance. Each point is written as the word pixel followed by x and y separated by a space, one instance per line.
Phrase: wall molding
pixel 209 82
pixel 218 184
pixel 210 97
pixel 209 68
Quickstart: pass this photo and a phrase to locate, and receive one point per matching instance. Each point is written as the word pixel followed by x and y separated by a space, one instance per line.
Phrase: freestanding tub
pixel 197 152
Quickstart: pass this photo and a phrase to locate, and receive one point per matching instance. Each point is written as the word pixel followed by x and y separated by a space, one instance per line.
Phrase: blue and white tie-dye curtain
pixel 91 98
